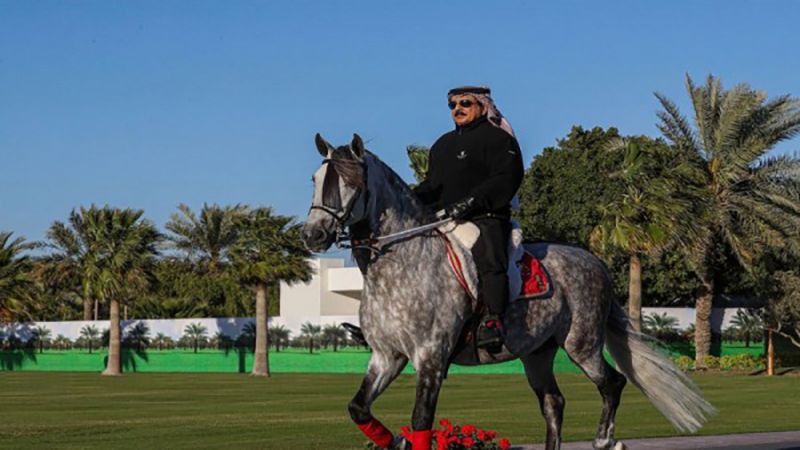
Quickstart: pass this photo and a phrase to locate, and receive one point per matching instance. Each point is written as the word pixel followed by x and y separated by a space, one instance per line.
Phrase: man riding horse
pixel 474 172
pixel 414 310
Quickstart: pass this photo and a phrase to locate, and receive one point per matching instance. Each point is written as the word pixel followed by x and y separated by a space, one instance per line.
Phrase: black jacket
pixel 478 160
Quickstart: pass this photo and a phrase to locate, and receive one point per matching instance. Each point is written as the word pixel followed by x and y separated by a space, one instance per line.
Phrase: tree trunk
pixel 635 293
pixel 310 345
pixel 113 366
pixel 702 323
pixel 261 361
pixel 125 312
pixel 96 308
pixel 87 309
pixel 770 355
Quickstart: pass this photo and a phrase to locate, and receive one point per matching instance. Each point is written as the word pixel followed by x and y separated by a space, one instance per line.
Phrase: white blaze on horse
pixel 414 309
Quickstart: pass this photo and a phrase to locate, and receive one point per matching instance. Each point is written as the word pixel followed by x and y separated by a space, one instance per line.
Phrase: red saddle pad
pixel 535 281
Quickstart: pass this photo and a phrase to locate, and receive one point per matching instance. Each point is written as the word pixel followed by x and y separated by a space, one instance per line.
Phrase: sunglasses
pixel 462 103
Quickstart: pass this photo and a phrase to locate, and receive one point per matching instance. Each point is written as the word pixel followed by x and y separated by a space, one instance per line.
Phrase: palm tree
pixel 124 249
pixel 62 342
pixel 661 325
pixel 333 334
pixel 41 335
pixel 648 216
pixel 196 332
pixel 207 238
pixel 161 340
pixel 138 336
pixel 75 255
pixel 90 334
pixel 277 335
pixel 247 338
pixel 748 324
pixel 222 340
pixel 751 200
pixel 269 251
pixel 310 332
pixel 15 281
pixel 418 157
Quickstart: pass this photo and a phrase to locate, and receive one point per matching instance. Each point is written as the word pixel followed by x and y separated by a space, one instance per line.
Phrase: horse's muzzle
pixel 317 239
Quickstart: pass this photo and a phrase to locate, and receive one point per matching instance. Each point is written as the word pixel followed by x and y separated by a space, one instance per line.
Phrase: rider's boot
pixel 490 334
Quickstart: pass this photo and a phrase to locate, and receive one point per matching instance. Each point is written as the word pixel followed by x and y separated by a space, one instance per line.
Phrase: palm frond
pixel 676 128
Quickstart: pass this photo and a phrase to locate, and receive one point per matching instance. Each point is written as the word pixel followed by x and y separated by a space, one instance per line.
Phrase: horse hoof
pixel 608 444
pixel 400 443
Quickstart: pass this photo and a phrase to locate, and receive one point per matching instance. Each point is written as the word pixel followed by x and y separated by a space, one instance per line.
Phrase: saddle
pixel 527 277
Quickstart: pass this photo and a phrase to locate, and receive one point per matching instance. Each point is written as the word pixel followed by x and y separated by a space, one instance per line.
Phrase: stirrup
pixel 490 339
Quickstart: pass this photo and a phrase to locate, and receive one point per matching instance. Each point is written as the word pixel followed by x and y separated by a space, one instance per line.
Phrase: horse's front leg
pixel 382 370
pixel 430 373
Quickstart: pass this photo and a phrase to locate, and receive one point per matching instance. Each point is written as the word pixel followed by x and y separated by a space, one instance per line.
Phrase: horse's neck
pixel 393 207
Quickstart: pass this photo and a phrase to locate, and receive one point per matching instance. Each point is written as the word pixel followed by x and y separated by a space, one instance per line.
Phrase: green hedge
pixel 286 361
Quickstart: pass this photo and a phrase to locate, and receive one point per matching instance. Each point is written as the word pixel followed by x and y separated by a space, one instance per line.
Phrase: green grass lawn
pixel 353 361
pixel 308 411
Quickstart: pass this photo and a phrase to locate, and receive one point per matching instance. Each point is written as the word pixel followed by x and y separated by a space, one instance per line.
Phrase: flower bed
pixel 454 437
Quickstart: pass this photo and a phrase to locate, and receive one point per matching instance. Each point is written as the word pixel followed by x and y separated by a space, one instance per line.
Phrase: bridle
pixel 353 212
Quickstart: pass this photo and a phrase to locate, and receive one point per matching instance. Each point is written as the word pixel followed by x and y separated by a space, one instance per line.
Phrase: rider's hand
pixel 458 210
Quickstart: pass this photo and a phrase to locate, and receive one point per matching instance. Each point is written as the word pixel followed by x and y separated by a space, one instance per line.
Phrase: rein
pixel 380 242
pixel 455 264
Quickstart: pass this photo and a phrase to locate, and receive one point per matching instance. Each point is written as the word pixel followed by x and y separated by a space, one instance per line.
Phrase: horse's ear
pixel 323 147
pixel 357 146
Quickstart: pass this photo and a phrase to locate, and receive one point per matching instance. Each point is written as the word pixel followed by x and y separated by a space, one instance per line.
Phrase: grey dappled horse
pixel 414 309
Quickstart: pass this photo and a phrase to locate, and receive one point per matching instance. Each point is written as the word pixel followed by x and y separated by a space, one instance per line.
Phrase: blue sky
pixel 147 104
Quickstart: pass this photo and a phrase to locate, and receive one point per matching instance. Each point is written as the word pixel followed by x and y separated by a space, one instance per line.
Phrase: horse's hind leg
pixel 382 370
pixel 609 382
pixel 539 370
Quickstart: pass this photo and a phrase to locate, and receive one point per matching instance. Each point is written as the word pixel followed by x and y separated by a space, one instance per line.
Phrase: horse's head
pixel 339 193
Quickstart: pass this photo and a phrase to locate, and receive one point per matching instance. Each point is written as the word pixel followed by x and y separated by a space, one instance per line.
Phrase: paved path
pixel 788 440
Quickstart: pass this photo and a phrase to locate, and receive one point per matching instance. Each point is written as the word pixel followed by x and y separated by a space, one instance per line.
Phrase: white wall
pixel 232 326
pixel 720 317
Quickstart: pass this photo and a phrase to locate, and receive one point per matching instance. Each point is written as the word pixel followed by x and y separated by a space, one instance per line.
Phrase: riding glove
pixel 458 210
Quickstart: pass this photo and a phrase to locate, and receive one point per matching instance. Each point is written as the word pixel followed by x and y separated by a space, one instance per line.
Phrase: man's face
pixel 465 109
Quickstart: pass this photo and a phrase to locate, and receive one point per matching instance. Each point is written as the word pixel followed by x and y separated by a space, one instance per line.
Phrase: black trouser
pixel 491 259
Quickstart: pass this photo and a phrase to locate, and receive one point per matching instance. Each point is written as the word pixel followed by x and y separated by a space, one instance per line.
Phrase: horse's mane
pixel 352 171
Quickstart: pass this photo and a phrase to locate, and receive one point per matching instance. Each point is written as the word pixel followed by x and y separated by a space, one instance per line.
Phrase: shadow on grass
pixel 241 356
pixel 11 360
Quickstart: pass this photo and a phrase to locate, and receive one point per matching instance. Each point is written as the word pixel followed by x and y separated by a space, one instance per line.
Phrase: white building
pixel 332 296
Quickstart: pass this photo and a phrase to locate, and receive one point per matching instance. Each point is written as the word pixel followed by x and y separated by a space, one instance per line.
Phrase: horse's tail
pixel 666 386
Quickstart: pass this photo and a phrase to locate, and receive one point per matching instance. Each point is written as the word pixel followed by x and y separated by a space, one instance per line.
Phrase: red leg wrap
pixel 421 440
pixel 377 433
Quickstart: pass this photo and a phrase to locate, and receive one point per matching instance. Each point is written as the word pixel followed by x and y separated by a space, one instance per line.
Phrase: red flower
pixel 468 442
pixel 483 436
pixel 441 440
pixel 504 444
pixel 468 429
pixel 491 434
pixel 445 423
